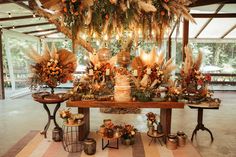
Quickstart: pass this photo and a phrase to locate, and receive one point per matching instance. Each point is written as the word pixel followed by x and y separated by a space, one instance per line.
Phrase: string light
pixel 34 16
pixel 9 15
pixel 13 27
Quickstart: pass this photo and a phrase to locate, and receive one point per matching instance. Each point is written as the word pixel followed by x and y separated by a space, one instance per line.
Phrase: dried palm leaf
pixel 137 63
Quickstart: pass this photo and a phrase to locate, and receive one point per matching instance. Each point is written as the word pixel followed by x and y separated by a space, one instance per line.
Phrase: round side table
pixel 70 139
pixel 156 136
pixel 46 99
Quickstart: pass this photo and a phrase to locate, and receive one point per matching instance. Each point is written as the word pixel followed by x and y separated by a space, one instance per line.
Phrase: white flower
pixel 132 132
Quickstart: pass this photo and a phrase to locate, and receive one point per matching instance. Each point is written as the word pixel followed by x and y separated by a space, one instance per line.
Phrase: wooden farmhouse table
pixel 165 111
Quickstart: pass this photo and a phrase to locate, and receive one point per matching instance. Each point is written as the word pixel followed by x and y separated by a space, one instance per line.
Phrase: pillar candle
pixel 107 71
pixel 149 71
pixel 135 73
pixel 90 72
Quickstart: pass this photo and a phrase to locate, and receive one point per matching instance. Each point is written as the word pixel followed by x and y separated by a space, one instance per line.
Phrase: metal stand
pixel 50 117
pixel 71 142
pixel 200 125
pixel 155 138
pixel 108 144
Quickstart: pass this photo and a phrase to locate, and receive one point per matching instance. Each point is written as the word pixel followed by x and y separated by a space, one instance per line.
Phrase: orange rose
pixel 76 13
pixel 65 10
pixel 163 13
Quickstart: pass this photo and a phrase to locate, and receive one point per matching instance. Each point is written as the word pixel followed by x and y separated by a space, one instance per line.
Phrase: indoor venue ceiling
pixel 17 16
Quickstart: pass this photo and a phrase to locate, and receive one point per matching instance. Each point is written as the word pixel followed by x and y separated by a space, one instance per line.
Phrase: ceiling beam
pixel 227 32
pixel 21 4
pixel 222 15
pixel 29 25
pixel 198 3
pixel 39 31
pixel 17 18
pixel 47 34
pixel 209 20
pixel 7 1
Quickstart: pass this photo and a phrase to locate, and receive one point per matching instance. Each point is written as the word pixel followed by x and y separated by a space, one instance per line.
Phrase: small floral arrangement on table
pixel 70 118
pixel 174 92
pixel 99 82
pixel 128 133
pixel 194 83
pixel 151 119
pixel 52 67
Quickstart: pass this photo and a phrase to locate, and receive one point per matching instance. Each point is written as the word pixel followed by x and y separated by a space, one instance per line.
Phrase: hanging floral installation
pixel 105 17
pixel 52 67
pixel 148 20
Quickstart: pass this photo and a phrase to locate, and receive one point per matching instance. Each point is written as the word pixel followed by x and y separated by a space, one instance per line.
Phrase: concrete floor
pixel 19 116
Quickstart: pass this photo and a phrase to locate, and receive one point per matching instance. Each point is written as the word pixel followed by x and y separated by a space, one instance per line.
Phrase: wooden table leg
pixel 165 118
pixel 84 129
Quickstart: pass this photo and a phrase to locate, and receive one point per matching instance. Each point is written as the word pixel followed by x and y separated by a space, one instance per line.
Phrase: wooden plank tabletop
pixel 114 104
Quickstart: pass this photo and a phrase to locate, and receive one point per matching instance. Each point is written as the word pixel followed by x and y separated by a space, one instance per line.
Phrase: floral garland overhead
pixel 150 18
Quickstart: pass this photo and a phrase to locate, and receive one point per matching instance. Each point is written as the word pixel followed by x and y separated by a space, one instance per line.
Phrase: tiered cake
pixel 122 88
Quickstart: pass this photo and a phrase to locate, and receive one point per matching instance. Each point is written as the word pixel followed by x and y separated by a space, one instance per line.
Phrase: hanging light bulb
pixel 94 35
pixel 106 37
pixel 84 36
pixel 139 31
pixel 153 32
pixel 9 15
pixel 130 34
pixel 117 37
pixel 98 43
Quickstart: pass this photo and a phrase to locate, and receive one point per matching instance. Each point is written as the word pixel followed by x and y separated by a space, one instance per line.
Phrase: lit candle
pixel 135 73
pixel 123 58
pixel 107 71
pixel 149 71
pixel 90 72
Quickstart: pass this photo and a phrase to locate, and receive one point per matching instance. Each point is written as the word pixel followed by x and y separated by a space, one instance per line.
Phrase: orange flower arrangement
pixel 52 68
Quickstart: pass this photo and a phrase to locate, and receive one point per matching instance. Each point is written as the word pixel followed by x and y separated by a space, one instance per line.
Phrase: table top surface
pixel 155 136
pixel 48 98
pixel 203 106
pixel 74 125
pixel 131 104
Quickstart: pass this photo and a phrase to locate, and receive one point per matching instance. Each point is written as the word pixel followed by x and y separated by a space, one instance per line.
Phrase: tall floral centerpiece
pixel 51 68
pixel 194 82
